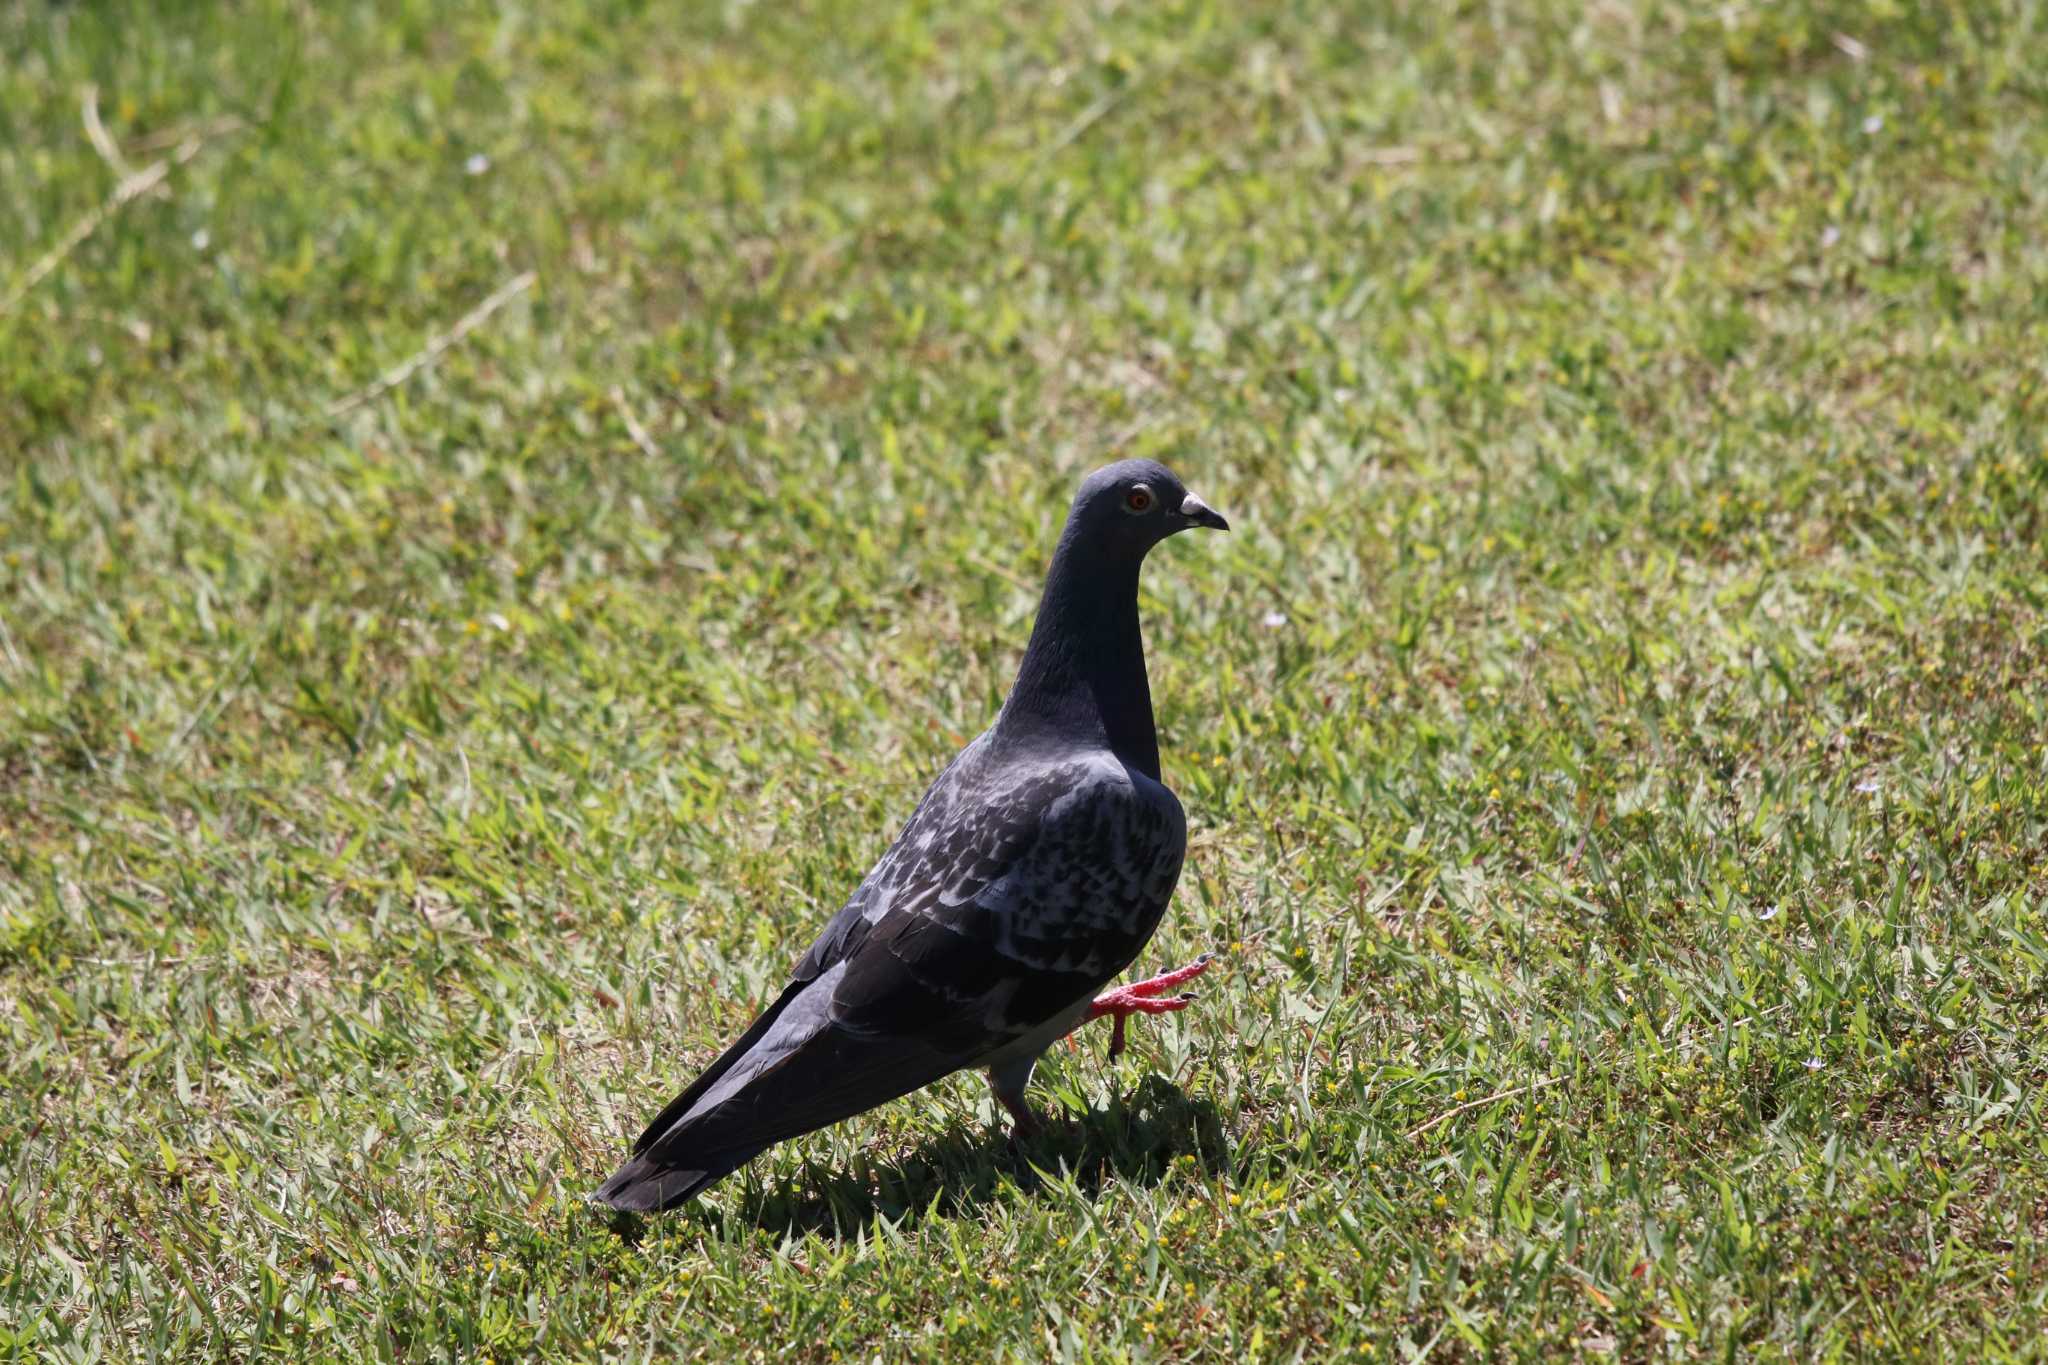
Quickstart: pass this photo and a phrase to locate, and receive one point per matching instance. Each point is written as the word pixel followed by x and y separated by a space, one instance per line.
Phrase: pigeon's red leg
pixel 1142 997
pixel 1165 980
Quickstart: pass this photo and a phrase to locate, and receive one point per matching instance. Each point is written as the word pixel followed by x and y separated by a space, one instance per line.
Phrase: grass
pixel 1612 734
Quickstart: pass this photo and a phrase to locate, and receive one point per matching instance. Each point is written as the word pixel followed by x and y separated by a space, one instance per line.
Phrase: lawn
pixel 503 510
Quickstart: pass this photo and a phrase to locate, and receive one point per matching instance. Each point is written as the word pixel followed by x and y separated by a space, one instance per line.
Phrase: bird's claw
pixel 1143 997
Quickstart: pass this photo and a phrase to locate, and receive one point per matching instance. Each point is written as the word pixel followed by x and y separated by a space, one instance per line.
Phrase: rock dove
pixel 1029 876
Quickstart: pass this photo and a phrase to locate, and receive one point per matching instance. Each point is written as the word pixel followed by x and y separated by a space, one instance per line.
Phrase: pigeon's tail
pixel 795 1070
pixel 649 1184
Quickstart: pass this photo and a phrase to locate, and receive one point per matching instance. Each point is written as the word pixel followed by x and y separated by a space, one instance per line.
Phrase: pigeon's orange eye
pixel 1139 499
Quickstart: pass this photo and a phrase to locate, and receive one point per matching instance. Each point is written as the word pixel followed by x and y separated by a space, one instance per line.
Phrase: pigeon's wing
pixel 1009 908
pixel 1004 903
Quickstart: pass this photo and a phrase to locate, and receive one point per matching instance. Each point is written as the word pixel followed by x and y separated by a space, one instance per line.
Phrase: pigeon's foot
pixel 1006 1083
pixel 1143 997
pixel 1023 1123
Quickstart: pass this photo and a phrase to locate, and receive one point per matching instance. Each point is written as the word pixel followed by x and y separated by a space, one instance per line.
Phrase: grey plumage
pixel 1032 873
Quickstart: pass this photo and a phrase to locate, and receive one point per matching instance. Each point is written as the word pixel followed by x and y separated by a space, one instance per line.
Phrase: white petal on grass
pixel 201 240
pixel 497 618
pixel 1829 235
pixel 477 164
pixel 1868 786
pixel 1813 1063
pixel 1273 620
pixel 1769 913
pixel 1874 124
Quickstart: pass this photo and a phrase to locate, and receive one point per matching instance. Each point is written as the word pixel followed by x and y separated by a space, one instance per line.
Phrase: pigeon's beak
pixel 1198 513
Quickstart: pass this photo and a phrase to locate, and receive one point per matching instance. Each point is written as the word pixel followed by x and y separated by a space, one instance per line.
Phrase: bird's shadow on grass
pixel 1136 1137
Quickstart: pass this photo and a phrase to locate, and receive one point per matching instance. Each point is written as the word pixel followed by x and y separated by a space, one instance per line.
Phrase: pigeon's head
pixel 1132 505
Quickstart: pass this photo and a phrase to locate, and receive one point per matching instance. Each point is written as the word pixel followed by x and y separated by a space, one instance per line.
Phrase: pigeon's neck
pixel 1083 675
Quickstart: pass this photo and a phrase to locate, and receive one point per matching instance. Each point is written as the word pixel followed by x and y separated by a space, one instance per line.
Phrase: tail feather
pixel 658 1127
pixel 647 1184
pixel 653 1180
pixel 796 1069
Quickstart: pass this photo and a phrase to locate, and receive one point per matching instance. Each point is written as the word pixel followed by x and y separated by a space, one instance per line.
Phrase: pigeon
pixel 1028 878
